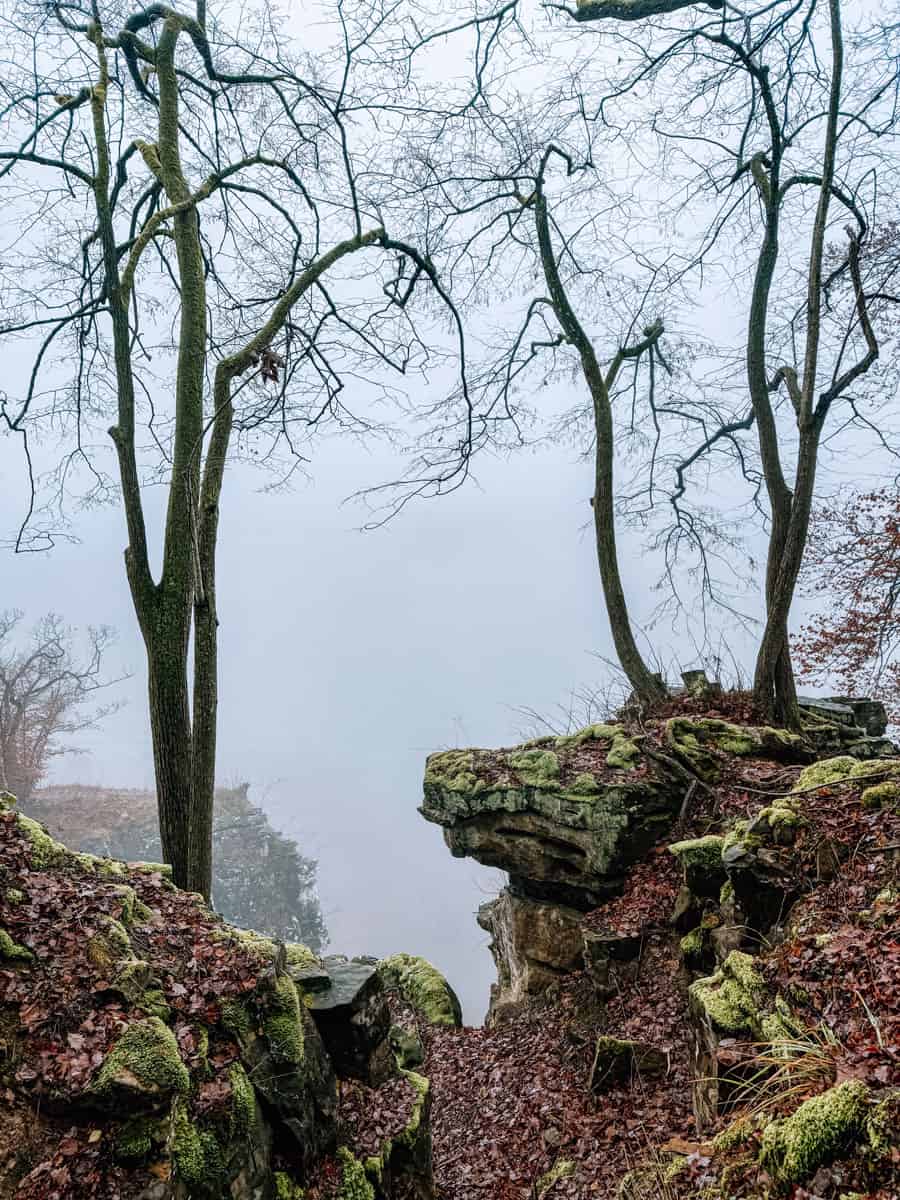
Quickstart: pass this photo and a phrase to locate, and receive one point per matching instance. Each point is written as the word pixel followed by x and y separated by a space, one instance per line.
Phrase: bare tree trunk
pixel 647 686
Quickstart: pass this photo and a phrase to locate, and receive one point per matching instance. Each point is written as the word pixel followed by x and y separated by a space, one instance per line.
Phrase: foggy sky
pixel 346 657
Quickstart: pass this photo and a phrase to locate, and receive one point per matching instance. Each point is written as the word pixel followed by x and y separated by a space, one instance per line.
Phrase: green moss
pixel 739 835
pixel 536 768
pixel 105 868
pixel 819 1131
pixel 875 766
pixel 881 795
pixel 423 987
pixel 732 1136
pixel 354 1184
pixel 624 754
pixel 883 1126
pixel 7 801
pixel 236 1019
pixel 590 733
pixel 151 868
pixel 203 1048
pixel 14 896
pixel 45 850
pixel 726 895
pixel 134 911
pixel 187 1147
pixel 12 951
pixel 829 770
pixel 299 956
pixel 136 1139
pixel 423 1088
pixel 109 945
pixel 692 944
pixel 703 853
pixel 153 1001
pixel 283 1023
pixel 584 784
pixel 248 939
pixel 286 1189
pixel 453 770
pixel 564 1168
pixel 731 998
pixel 147 1053
pixel 243 1102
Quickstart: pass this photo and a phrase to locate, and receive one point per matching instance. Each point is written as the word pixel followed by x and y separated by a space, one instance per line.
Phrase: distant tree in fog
pixel 46 689
pixel 261 879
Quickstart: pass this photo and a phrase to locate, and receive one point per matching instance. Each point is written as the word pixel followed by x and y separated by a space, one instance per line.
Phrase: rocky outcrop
pixel 567 817
pixel 533 943
pixel 181 1054
pixel 422 987
pixel 564 816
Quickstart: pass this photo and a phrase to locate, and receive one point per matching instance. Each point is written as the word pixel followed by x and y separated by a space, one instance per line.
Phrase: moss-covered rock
pixel 701 742
pixel 137 1138
pixel 300 957
pixel 108 945
pixel 821 1130
pixel 283 1025
pixel 286 1188
pixel 696 947
pixel 882 795
pixel 565 832
pixel 423 987
pixel 731 1000
pixel 187 1149
pixel 143 1067
pixel 537 768
pixel 355 1184
pixel 617 1060
pixel 134 911
pixel 12 951
pixel 701 861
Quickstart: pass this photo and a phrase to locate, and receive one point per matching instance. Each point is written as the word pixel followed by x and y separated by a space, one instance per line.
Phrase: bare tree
pixel 46 689
pixel 166 138
pixel 782 107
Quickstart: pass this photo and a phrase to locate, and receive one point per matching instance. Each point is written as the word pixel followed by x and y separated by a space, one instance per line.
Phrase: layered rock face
pixel 564 816
pixel 567 817
pixel 533 943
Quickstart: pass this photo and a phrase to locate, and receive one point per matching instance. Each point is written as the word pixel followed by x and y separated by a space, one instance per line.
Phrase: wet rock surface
pixel 533 943
pixel 353 1020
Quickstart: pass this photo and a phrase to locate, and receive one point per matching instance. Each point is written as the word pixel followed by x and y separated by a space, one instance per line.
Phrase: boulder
pixel 564 816
pixel 353 1020
pixel 532 942
pixel 764 877
pixel 701 861
pixel 421 985
pixel 284 1056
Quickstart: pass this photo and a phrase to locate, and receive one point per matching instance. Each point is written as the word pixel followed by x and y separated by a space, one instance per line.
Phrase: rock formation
pixel 567 816
pixel 155 1052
